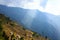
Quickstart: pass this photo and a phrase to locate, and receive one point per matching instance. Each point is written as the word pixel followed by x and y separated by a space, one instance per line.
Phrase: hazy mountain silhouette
pixel 42 23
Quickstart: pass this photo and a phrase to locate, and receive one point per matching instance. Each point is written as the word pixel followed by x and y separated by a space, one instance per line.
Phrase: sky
pixel 49 6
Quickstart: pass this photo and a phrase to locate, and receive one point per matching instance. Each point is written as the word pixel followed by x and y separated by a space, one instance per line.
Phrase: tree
pixel 5 36
pixel 22 38
pixel 0 26
pixel 23 28
pixel 35 34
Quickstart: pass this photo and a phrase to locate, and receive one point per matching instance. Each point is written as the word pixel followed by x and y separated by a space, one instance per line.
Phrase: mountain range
pixel 41 22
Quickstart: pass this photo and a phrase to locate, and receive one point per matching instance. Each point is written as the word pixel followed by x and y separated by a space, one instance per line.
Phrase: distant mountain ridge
pixel 40 22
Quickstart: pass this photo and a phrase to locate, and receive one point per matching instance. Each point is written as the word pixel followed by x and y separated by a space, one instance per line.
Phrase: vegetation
pixel 12 24
pixel 5 36
pixel 23 28
pixel 35 34
pixel 7 24
pixel 22 38
pixel 12 36
pixel 0 26
pixel 2 34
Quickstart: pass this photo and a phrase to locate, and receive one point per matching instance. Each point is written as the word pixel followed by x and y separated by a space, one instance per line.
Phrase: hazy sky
pixel 50 6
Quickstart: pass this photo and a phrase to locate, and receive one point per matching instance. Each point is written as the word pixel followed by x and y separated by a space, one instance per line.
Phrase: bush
pixel 35 34
pixel 22 38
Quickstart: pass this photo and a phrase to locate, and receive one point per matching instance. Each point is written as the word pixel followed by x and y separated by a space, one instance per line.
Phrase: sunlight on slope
pixel 28 18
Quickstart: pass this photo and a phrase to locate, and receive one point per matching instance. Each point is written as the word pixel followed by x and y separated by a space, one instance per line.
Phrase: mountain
pixel 35 20
pixel 10 30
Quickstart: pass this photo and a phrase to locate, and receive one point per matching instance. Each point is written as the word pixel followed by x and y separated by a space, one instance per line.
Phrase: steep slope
pixel 40 22
pixel 10 30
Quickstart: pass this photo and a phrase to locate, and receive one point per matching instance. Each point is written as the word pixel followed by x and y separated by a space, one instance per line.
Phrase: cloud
pixel 53 7
pixel 43 3
pixel 49 6
pixel 33 4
